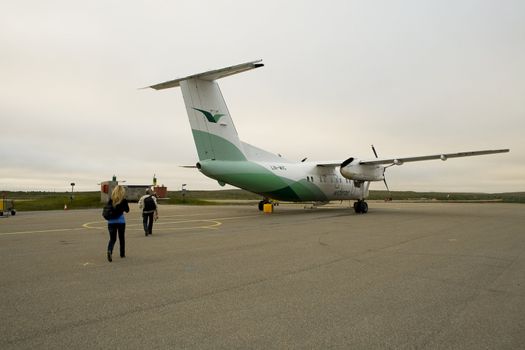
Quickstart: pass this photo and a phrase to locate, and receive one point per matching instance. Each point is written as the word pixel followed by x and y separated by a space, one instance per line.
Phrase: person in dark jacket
pixel 118 224
pixel 150 212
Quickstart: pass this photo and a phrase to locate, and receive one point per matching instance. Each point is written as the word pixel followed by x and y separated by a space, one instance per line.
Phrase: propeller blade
pixel 373 149
pixel 386 185
pixel 388 189
pixel 384 178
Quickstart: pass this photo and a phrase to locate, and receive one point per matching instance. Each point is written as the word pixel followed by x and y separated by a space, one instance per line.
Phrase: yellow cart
pixel 7 206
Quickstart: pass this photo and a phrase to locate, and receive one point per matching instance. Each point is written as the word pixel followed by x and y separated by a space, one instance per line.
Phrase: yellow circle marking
pixel 161 226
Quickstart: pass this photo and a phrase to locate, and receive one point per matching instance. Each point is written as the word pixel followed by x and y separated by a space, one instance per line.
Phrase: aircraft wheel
pixel 261 205
pixel 361 207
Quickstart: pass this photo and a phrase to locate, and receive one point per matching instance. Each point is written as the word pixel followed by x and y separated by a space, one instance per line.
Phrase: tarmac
pixel 403 276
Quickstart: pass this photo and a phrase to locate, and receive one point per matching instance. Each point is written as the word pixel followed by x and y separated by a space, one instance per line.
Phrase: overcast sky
pixel 411 77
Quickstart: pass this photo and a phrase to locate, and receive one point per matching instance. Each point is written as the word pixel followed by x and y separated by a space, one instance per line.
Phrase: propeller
pixel 374 150
pixel 384 178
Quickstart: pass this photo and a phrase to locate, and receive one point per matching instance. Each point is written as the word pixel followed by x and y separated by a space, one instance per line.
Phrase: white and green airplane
pixel 227 159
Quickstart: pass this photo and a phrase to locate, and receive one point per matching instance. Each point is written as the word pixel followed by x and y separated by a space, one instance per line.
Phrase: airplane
pixel 227 159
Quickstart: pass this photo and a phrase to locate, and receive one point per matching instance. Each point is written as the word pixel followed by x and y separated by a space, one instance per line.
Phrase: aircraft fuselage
pixel 285 181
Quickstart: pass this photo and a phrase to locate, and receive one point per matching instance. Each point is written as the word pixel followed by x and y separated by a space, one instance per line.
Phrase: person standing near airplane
pixel 117 222
pixel 148 204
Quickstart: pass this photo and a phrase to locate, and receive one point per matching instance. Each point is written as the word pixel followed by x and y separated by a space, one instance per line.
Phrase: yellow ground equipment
pixel 7 207
pixel 268 208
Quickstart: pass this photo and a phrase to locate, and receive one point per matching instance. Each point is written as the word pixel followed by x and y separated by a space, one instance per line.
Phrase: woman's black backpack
pixel 108 212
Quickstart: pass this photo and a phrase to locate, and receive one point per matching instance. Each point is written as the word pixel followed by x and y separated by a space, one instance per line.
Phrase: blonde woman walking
pixel 117 222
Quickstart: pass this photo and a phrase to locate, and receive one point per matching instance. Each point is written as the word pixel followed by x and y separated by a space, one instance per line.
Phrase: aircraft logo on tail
pixel 212 118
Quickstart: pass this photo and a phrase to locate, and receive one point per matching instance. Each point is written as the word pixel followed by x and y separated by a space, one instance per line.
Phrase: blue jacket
pixel 121 207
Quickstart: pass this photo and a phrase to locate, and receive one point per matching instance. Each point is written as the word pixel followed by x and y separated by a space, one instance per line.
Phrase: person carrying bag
pixel 149 206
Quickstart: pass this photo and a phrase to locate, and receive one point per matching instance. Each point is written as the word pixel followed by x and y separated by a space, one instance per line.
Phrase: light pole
pixel 72 188
pixel 183 191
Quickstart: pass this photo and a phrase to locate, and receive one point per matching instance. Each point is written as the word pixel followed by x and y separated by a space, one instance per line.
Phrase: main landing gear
pixel 263 202
pixel 361 207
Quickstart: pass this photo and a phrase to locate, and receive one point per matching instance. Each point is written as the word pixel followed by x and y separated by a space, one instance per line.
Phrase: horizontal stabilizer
pixel 210 75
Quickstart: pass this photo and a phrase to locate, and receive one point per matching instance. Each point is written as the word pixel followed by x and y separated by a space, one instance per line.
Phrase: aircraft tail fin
pixel 212 126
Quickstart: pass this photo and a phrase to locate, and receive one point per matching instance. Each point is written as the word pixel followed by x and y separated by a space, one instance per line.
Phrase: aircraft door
pixel 336 181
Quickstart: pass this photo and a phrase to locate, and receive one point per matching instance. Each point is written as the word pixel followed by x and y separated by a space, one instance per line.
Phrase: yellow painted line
pixel 215 222
pixel 236 217
pixel 213 225
pixel 158 225
pixel 41 231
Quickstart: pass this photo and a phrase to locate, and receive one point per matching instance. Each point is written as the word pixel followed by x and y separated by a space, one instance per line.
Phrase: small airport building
pixel 133 192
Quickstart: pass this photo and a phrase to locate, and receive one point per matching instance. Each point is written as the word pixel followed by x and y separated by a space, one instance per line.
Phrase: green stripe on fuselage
pixel 229 165
pixel 211 146
pixel 258 179
pixel 299 191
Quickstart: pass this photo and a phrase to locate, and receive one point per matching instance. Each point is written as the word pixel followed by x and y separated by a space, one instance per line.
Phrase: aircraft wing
pixel 443 156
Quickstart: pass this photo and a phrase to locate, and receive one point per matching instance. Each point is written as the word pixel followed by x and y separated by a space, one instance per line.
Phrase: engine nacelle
pixel 360 172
